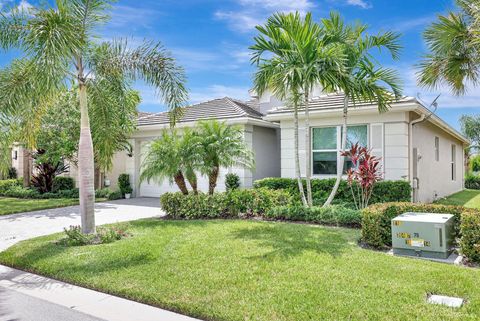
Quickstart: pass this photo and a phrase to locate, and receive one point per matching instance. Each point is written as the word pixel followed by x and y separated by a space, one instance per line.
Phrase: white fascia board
pixel 373 109
pixel 230 121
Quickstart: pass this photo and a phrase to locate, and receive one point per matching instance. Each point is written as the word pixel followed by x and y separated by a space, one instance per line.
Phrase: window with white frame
pixel 453 162
pixel 326 145
pixel 437 148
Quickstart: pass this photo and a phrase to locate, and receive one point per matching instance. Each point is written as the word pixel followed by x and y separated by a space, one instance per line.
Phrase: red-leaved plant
pixel 363 174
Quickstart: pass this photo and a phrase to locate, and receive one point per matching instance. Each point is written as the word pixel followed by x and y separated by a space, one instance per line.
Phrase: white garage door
pixel 152 188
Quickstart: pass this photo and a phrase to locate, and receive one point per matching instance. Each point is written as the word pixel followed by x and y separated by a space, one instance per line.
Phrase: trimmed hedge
pixel 331 215
pixel 376 219
pixel 222 205
pixel 384 191
pixel 63 183
pixel 7 184
pixel 472 182
pixel 470 241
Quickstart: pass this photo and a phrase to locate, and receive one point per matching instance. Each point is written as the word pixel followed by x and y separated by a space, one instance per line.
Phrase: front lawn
pixel 250 270
pixel 468 198
pixel 17 205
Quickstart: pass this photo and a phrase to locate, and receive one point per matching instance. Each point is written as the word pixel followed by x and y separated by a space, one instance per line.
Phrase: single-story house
pixel 414 144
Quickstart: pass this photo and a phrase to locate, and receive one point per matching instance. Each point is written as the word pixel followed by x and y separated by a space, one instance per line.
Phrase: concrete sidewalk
pixel 91 304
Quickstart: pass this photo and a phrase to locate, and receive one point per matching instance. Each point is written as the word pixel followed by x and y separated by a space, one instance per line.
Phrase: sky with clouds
pixel 210 39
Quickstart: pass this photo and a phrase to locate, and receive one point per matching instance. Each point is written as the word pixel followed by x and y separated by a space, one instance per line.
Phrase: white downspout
pixel 410 143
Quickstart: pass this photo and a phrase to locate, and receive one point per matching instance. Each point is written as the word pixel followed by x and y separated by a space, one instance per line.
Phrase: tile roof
pixel 332 102
pixel 221 108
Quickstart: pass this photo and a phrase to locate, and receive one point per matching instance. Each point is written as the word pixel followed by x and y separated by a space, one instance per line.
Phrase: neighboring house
pixel 414 144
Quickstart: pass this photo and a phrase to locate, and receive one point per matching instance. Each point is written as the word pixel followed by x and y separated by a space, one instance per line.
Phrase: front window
pixel 326 145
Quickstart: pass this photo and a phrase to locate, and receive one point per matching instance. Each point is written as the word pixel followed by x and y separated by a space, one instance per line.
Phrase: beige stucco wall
pixel 395 141
pixel 435 176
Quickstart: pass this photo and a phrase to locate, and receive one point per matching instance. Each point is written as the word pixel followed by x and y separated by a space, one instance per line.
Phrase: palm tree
pixel 223 146
pixel 191 155
pixel 454 47
pixel 60 49
pixel 291 61
pixel 163 161
pixel 362 79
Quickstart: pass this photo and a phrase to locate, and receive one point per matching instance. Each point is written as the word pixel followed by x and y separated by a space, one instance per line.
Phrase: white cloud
pixel 133 17
pixel 254 12
pixel 414 23
pixel 359 3
pixel 218 91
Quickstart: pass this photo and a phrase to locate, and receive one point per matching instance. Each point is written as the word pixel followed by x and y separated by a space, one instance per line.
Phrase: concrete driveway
pixel 22 226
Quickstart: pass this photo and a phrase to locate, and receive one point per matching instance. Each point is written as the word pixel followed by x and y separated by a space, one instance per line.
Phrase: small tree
pixel 363 174
pixel 163 161
pixel 223 146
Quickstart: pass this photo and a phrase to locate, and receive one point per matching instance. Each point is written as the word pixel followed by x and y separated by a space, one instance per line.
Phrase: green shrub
pixel 12 173
pixel 232 204
pixel 108 194
pixel 331 215
pixel 62 183
pixel 472 181
pixel 21 192
pixel 7 184
pixel 124 184
pixel 255 202
pixel 376 219
pixel 71 193
pixel 470 241
pixel 384 191
pixel 232 182
pixel 179 206
pixel 109 234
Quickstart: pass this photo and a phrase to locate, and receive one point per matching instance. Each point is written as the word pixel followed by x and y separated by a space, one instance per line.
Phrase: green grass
pixel 249 270
pixel 468 198
pixel 18 205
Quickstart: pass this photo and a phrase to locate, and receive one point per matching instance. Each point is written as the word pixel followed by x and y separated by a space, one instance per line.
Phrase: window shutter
pixel 377 142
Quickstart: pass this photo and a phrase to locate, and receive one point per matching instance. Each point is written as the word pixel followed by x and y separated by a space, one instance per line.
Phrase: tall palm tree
pixel 223 146
pixel 60 49
pixel 454 49
pixel 291 61
pixel 362 79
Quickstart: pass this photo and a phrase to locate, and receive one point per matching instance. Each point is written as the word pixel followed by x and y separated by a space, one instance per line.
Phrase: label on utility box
pixel 417 242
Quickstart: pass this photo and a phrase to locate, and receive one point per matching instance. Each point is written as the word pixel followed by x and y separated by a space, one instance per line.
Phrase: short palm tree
pixel 60 49
pixel 362 79
pixel 291 60
pixel 191 155
pixel 163 160
pixel 223 146
pixel 454 49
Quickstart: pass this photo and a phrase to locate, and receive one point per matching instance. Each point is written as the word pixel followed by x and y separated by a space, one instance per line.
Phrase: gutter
pixel 413 182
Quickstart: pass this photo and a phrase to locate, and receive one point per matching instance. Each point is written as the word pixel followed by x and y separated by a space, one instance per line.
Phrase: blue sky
pixel 210 39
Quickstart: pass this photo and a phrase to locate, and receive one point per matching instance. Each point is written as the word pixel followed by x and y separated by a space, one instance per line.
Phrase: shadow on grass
pixel 289 240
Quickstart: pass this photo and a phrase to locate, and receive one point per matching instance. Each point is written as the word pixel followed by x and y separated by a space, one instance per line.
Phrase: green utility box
pixel 423 234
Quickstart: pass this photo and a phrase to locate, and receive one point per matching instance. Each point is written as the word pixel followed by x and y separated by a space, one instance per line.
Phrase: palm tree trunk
pixel 342 158
pixel 192 180
pixel 212 180
pixel 180 181
pixel 86 168
pixel 308 154
pixel 297 156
